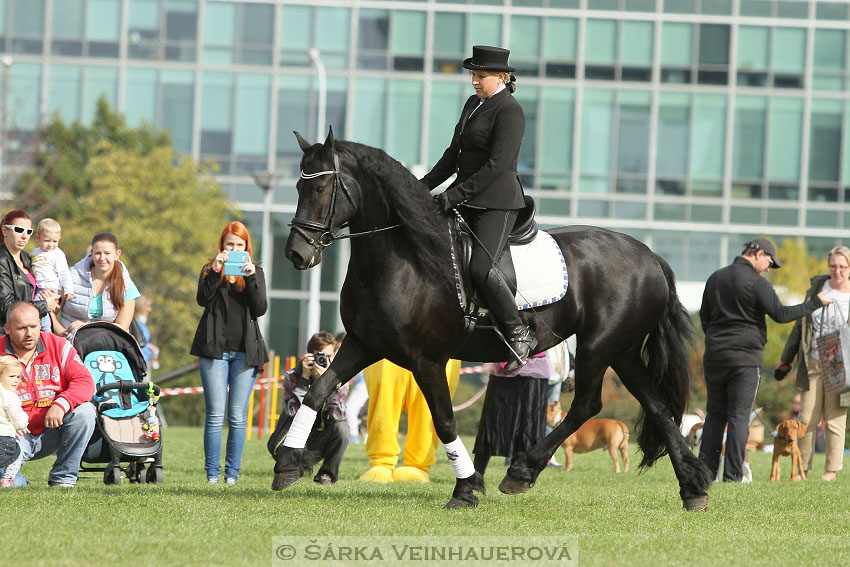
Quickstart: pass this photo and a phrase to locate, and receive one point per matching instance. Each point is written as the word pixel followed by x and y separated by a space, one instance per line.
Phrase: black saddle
pixel 524 231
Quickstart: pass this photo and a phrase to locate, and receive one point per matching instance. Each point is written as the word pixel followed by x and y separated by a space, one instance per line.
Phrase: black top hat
pixel 486 58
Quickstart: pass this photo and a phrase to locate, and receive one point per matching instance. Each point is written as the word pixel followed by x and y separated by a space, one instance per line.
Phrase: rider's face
pixel 486 83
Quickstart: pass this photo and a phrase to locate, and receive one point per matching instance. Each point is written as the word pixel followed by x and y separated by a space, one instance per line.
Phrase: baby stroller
pixel 127 429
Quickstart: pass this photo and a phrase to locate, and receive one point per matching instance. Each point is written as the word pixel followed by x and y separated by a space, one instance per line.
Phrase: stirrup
pixel 521 342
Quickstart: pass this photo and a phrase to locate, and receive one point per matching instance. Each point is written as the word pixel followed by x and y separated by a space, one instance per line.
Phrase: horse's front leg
pixel 431 378
pixel 292 460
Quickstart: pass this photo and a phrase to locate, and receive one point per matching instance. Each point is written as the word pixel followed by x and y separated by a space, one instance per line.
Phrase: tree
pixel 166 211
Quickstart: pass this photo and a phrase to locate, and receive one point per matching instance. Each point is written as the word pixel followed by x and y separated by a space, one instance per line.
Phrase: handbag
pixel 834 354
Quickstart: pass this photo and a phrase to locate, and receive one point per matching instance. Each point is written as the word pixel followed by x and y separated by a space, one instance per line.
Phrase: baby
pixel 50 266
pixel 13 420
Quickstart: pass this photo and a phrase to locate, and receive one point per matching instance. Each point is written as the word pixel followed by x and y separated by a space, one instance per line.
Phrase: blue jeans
pixel 216 375
pixel 67 442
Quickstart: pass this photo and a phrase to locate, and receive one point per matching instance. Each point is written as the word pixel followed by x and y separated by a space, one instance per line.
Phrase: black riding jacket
pixel 734 304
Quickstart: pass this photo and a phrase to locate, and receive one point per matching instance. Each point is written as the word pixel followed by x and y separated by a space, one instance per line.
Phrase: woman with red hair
pixel 230 347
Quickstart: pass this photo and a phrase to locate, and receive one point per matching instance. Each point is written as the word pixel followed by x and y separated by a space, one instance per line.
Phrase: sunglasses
pixel 19 229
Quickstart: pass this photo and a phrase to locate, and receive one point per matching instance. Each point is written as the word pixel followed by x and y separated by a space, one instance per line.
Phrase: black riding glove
pixel 443 203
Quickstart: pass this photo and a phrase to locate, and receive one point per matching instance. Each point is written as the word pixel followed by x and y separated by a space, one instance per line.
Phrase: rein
pixel 327 236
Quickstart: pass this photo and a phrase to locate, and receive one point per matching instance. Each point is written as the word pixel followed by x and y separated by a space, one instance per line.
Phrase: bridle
pixel 326 236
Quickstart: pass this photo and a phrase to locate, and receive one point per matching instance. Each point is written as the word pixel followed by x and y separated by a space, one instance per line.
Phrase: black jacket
pixel 484 155
pixel 15 285
pixel 210 336
pixel 734 304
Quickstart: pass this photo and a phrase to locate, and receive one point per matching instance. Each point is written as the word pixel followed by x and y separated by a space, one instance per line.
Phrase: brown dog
pixel 785 443
pixel 593 434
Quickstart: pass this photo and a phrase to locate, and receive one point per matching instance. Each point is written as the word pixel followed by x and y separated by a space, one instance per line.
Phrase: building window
pixel 238 33
pixel 789 57
pixel 559 47
pixel 163 29
pixel 323 28
pixel 456 33
pixel 829 60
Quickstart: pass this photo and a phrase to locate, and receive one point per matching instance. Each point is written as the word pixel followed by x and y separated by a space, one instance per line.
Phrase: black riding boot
pixel 500 300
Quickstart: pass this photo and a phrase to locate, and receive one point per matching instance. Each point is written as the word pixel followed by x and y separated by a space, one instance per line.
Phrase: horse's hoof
pixel 470 501
pixel 285 480
pixel 511 485
pixel 695 504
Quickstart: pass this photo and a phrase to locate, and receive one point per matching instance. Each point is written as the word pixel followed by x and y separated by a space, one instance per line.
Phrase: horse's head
pixel 325 203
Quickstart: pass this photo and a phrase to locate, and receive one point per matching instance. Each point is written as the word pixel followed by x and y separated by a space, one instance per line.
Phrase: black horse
pixel 399 302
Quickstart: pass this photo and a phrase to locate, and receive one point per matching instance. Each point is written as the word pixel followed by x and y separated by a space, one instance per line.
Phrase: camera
pixel 321 359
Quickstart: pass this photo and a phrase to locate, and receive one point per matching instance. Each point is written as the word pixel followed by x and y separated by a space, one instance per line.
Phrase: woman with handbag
pixel 803 343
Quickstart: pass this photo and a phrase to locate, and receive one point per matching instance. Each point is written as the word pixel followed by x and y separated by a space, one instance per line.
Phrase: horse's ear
pixel 305 145
pixel 329 141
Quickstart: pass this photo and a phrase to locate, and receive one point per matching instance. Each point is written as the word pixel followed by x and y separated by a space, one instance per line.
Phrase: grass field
pixel 628 519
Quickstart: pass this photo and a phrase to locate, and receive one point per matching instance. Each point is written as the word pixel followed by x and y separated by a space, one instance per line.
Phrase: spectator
pixel 734 305
pixel 815 402
pixel 230 347
pixel 50 267
pixel 54 392
pixel 140 331
pixel 358 395
pixel 17 282
pixel 13 420
pixel 513 418
pixel 329 437
pixel 103 289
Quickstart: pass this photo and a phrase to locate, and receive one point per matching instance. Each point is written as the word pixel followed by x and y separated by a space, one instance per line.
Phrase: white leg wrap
pixel 299 431
pixel 459 459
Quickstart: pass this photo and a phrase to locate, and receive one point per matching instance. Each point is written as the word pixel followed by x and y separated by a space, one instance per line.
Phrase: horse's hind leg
pixel 431 378
pixel 523 472
pixel 693 476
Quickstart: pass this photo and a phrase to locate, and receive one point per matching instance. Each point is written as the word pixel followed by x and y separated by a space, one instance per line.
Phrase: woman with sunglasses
pixel 17 282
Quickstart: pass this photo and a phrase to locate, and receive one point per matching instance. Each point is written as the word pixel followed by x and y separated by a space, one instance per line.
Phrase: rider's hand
pixel 442 202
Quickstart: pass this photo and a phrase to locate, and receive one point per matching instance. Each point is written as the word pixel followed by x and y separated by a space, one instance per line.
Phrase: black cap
pixel 486 58
pixel 768 248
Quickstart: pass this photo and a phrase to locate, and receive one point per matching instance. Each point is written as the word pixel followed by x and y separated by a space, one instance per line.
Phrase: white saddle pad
pixel 541 273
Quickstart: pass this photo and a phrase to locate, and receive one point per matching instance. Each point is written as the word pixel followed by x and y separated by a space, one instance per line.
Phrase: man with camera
pixel 329 436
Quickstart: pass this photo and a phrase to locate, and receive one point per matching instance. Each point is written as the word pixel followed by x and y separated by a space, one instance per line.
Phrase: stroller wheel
pixel 154 474
pixel 112 475
pixel 138 473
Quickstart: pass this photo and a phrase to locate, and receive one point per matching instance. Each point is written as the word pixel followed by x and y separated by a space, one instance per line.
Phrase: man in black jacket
pixel 734 305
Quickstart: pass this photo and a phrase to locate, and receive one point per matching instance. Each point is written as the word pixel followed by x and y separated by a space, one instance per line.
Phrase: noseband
pixel 326 236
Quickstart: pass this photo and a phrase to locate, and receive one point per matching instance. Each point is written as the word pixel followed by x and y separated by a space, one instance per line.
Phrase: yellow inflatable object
pixel 392 390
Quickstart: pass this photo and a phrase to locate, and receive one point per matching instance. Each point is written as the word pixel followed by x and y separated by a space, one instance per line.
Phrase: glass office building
pixel 689 124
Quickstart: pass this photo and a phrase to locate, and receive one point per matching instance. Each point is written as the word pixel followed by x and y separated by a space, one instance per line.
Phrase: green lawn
pixel 628 519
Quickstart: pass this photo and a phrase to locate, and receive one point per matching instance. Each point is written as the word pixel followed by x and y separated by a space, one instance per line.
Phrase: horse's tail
pixel 665 353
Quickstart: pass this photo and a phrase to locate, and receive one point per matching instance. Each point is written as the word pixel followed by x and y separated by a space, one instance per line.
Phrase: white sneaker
pixel 229 481
pixel 212 480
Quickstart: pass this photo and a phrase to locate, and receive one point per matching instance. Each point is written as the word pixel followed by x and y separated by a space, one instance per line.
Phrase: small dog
pixel 785 443
pixel 593 434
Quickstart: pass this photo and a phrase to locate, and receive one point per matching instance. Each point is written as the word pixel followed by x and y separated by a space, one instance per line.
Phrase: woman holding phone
pixel 230 347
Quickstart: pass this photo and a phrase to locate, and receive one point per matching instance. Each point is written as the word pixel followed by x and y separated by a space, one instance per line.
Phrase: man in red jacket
pixel 55 390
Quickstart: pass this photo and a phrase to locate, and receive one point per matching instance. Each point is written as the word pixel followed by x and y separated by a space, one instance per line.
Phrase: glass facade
pixel 689 124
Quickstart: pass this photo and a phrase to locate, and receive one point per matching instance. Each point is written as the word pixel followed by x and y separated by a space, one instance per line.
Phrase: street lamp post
pixel 266 180
pixel 6 61
pixel 314 305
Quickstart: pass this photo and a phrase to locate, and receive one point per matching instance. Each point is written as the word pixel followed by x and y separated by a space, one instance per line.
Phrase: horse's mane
pixel 407 199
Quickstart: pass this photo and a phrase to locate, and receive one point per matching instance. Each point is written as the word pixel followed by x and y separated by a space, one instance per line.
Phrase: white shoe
pixel 229 481
pixel 212 480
